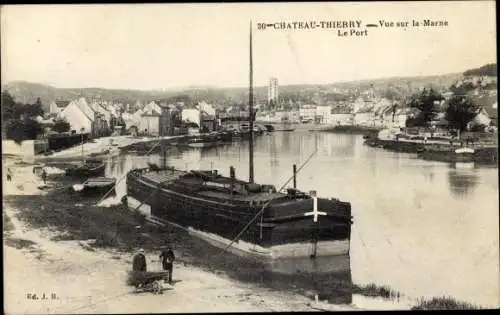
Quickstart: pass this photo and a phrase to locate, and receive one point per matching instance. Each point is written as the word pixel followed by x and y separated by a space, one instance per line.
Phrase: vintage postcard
pixel 238 157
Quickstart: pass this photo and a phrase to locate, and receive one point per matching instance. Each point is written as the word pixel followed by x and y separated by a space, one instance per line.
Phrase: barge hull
pixel 292 236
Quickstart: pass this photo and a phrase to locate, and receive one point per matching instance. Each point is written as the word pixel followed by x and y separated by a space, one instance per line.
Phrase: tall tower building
pixel 272 91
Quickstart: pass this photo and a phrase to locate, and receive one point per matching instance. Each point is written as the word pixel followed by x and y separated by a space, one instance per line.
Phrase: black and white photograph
pixel 249 157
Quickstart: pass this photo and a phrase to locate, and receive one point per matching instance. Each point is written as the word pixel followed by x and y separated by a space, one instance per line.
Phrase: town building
pixel 80 116
pixel 149 119
pixel 487 108
pixel 364 116
pixel 204 116
pixel 322 114
pixel 56 107
pixel 170 121
pixel 272 91
pixel 404 114
pixel 341 116
pixel 307 113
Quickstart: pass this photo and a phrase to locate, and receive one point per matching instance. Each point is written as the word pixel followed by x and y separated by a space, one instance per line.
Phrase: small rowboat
pixel 96 186
pixel 203 141
pixel 464 151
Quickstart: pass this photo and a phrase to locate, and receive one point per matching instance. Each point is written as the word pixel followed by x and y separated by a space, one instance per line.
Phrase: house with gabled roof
pixel 487 113
pixel 83 118
pixel 364 116
pixel 57 106
pixel 146 120
pixel 79 115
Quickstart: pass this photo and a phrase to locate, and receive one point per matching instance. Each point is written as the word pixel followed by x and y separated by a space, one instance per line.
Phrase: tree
pixel 461 110
pixel 61 125
pixel 271 104
pixel 10 109
pixel 33 110
pixel 424 101
pixel 25 129
pixel 392 93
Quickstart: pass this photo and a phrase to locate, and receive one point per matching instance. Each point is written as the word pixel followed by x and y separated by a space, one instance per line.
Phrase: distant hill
pixel 27 92
pixel 486 70
pixel 416 81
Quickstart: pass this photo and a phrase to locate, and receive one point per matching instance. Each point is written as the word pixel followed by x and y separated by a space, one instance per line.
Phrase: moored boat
pixel 89 168
pixel 225 136
pixel 97 186
pixel 203 141
pixel 216 208
pixel 448 154
pixel 269 128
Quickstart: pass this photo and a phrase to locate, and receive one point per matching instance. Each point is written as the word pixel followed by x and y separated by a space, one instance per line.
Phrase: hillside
pixel 27 92
pixel 486 70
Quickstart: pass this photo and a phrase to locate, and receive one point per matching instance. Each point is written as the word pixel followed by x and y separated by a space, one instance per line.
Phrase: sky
pixel 159 46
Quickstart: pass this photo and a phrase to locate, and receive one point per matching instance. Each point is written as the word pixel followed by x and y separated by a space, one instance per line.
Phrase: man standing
pixel 139 262
pixel 44 176
pixel 9 174
pixel 167 259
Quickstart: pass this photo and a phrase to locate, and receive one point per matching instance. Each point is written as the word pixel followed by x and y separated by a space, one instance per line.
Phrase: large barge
pixel 243 215
pixel 217 208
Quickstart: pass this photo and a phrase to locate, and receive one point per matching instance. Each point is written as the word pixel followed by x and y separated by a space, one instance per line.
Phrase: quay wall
pixel 59 142
pixel 482 155
pixel 149 144
pixel 396 146
pixel 25 149
pixel 353 129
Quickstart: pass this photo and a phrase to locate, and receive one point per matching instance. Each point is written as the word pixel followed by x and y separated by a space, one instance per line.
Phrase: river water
pixel 423 228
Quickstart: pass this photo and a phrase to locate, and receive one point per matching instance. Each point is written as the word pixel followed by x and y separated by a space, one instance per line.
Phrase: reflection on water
pixel 424 228
pixel 462 179
pixel 328 277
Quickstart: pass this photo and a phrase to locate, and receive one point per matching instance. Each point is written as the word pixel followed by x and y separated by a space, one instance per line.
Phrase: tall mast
pixel 250 103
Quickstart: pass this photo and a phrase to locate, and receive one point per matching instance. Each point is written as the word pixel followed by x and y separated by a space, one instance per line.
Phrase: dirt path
pixel 93 281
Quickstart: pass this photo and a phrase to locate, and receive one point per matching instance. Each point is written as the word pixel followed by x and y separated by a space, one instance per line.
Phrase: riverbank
pixel 106 236
pixel 44 243
pixel 99 148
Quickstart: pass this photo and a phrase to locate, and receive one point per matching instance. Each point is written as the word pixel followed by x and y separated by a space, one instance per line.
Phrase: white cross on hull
pixel 315 211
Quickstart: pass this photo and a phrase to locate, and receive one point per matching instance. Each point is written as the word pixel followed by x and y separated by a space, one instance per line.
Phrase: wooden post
pixel 250 110
pixel 295 176
pixel 232 175
pixel 315 241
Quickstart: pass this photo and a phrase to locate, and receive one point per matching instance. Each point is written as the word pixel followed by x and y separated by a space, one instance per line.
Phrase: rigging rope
pixel 264 206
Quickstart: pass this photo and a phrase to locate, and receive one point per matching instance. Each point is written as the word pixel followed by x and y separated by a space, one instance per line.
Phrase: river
pixel 423 228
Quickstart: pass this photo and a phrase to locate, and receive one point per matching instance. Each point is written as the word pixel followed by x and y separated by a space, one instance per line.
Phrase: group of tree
pixel 426 102
pixel 61 125
pixel 486 70
pixel 19 120
pixel 460 109
pixel 15 110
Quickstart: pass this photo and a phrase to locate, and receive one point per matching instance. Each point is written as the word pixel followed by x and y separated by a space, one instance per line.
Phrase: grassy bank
pixel 119 228
pixel 109 227
pixel 435 303
pixel 7 224
pixel 373 290
pixel 443 303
